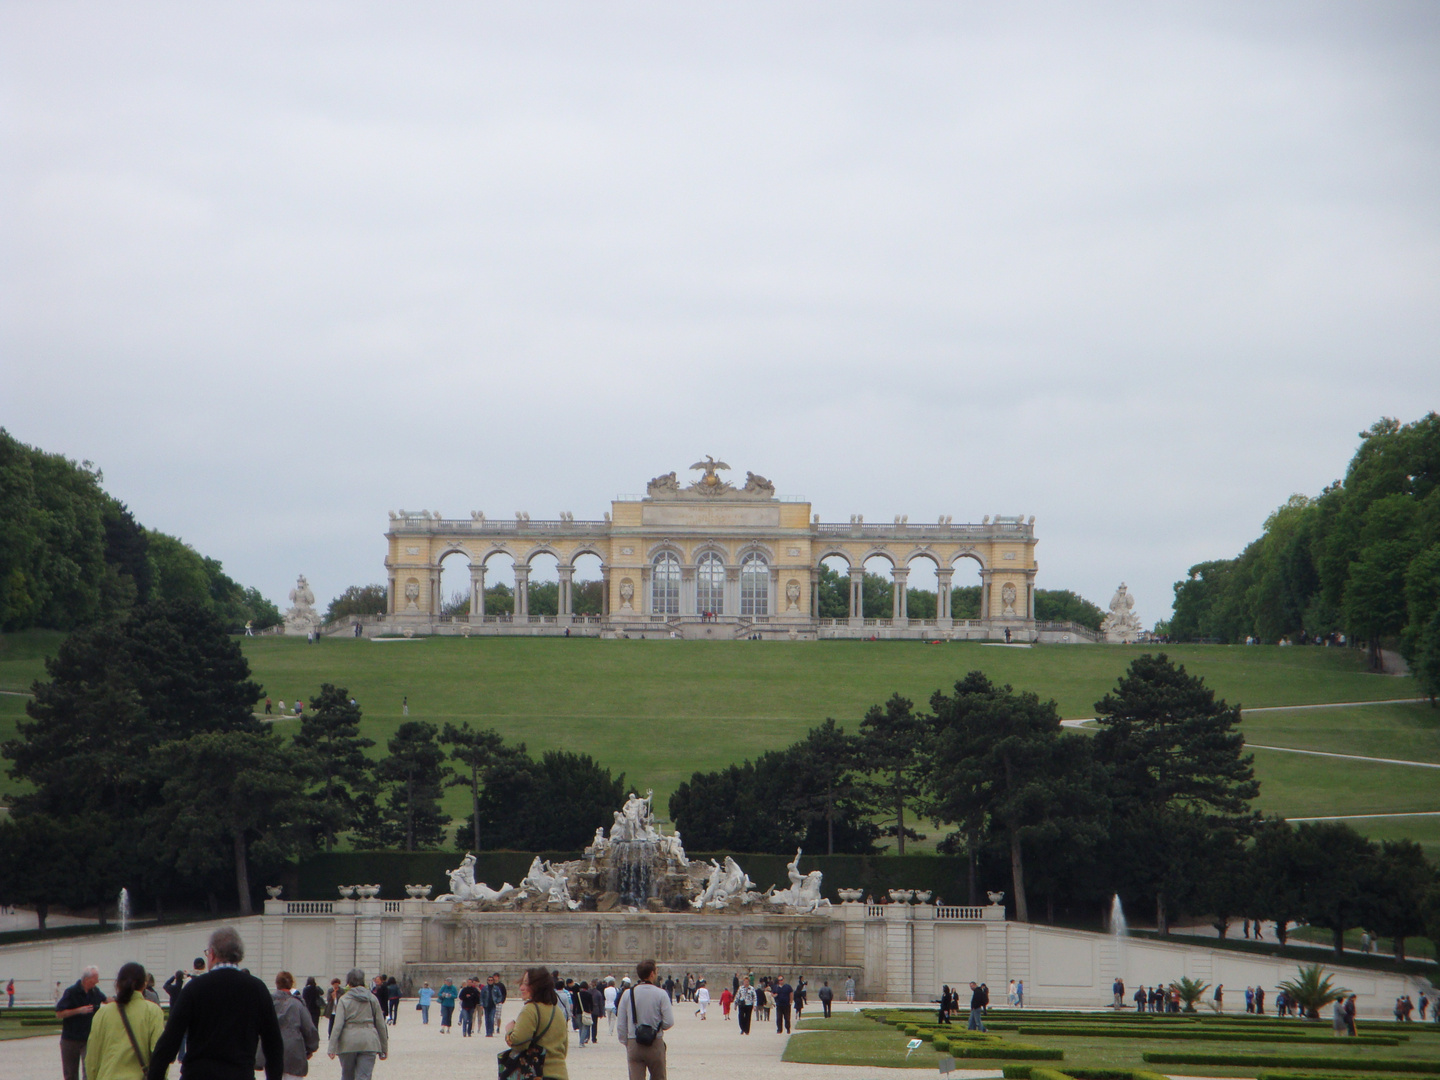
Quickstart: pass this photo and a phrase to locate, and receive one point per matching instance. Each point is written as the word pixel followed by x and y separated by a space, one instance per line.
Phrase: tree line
pixel 71 554
pixel 146 765
pixel 1155 806
pixel 1362 558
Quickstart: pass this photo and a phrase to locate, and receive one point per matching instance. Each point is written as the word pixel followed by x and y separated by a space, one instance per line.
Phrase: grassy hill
pixel 659 710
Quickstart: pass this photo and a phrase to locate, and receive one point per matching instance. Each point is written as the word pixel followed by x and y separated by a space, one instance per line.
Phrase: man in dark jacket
pixel 826 996
pixel 222 1015
pixel 469 999
pixel 978 999
pixel 784 994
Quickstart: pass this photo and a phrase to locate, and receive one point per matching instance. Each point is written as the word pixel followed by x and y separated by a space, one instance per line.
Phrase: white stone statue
pixel 301 617
pixel 726 883
pixel 804 892
pixel 1122 625
pixel 540 878
pixel 463 885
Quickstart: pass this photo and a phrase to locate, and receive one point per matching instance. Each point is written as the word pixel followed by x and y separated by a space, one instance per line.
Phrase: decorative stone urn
pixel 274 891
pixel 849 896
pixel 347 892
pixel 418 892
pixel 923 896
pixel 367 892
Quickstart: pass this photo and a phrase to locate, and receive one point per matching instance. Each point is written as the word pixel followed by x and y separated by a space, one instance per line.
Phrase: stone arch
pixel 454 596
pixel 832 552
pixel 880 553
pixel 974 554
pixel 542 549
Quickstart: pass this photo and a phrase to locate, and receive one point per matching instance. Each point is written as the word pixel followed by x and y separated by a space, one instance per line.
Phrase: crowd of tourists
pixel 224 1021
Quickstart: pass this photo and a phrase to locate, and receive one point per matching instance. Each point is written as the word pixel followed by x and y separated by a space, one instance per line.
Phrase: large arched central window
pixel 665 585
pixel 710 585
pixel 754 585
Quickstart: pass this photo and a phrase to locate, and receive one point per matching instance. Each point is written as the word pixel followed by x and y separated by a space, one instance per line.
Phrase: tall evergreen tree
pixel 330 739
pixel 413 779
pixel 828 786
pixel 893 741
pixel 227 794
pixel 477 753
pixel 998 756
pixel 1176 767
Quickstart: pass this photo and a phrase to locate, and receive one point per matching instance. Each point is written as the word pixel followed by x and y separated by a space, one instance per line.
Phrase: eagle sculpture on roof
pixel 709 465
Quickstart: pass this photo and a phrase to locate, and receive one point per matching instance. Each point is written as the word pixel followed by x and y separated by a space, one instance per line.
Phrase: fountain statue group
pixel 637 866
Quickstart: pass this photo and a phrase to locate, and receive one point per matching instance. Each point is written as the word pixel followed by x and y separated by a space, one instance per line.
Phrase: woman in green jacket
pixel 110 1055
pixel 542 1022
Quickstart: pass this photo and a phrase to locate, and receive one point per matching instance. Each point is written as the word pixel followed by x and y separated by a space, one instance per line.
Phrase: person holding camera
pixel 645 1013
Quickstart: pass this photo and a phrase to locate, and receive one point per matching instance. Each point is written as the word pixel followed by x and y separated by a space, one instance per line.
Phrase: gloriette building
pixel 717 559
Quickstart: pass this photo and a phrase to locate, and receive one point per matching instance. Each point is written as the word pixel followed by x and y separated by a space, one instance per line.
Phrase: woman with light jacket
pixel 360 1033
pixel 110 1055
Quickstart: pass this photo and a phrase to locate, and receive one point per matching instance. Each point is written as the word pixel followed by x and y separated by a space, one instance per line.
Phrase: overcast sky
pixel 1141 270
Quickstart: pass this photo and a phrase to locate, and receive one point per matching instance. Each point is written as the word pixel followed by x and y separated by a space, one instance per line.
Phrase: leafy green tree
pixel 1400 878
pixel 1279 865
pixel 330 739
pixel 477 753
pixel 1173 754
pixel 920 603
pixel 227 793
pixel 879 593
pixel 892 740
pixel 1422 598
pixel 1062 605
pixel 1336 862
pixel 39 858
pixel 412 779
pixel 965 602
pixel 1374 602
pixel 358 600
pixel 587 597
pixel 554 804
pixel 834 594
pixel 1427 667
pixel 998 756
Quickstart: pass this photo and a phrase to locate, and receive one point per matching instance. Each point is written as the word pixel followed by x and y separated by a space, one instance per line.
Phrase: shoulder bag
pixel 644 1034
pixel 527 1063
pixel 134 1043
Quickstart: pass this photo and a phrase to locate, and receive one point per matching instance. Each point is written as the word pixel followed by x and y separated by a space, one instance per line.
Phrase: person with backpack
pixel 645 1014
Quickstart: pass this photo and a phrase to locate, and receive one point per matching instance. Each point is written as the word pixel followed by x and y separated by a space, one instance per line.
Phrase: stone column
pixel 774 605
pixel 522 591
pixel 732 590
pixel 857 595
pixel 437 598
pixel 477 592
pixel 900 600
pixel 604 592
pixel 944 582
pixel 390 596
pixel 566 608
pixel 814 592
pixel 985 594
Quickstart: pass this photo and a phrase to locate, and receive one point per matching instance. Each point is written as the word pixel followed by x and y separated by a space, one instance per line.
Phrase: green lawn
pixel 660 710
pixel 1409 732
pixel 845 1040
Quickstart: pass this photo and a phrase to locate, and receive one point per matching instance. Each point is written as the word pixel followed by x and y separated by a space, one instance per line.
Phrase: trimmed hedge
pixel 1027 1072
pixel 1096 1031
pixel 1281 1061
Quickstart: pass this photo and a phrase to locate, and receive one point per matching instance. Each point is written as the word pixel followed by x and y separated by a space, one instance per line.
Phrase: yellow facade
pixel 712 553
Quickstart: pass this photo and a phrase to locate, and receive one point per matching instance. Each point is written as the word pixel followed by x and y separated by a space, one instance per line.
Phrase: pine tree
pixel 1173 755
pixel 330 739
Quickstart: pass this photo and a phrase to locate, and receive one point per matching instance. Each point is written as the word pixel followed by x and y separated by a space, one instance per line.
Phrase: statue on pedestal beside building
pixel 1122 625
